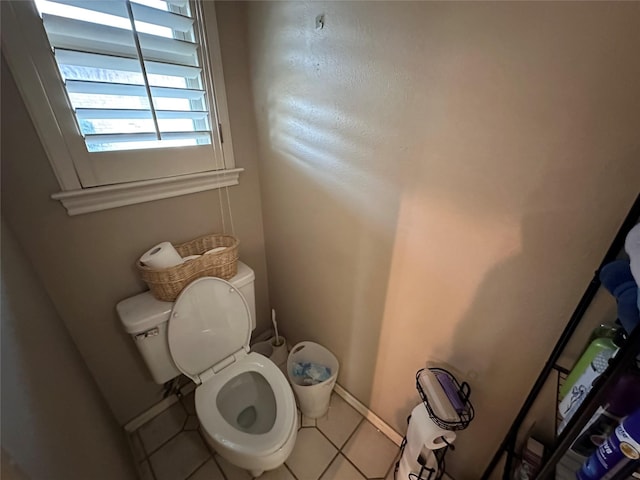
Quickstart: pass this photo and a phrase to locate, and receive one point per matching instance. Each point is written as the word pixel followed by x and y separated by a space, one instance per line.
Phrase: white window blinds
pixel 132 70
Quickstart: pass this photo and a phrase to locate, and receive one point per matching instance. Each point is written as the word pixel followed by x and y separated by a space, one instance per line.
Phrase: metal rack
pixel 623 361
pixel 465 415
pixel 431 473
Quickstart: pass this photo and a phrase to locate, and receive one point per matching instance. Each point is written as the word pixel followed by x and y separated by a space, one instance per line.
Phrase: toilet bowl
pixel 245 414
pixel 244 403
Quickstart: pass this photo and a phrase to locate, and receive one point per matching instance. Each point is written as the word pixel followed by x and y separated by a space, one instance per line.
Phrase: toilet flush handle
pixel 149 333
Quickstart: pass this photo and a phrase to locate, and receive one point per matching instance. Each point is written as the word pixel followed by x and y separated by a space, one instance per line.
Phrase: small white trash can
pixel 313 400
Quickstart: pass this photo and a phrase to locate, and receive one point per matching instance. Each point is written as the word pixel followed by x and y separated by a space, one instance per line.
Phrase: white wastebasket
pixel 313 400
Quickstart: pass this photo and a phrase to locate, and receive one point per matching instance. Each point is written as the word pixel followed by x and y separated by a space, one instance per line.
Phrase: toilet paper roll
pixel 423 432
pixel 190 257
pixel 161 256
pixel 437 397
pixel 280 353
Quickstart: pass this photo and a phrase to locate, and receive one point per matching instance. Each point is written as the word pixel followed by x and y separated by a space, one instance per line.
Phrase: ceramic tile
pixel 208 471
pixel 189 402
pixel 136 447
pixel 311 454
pixel 340 421
pixel 341 469
pixel 157 431
pixel 231 472
pixel 192 423
pixel 370 451
pixel 390 474
pixel 203 435
pixel 179 457
pixel 392 467
pixel 307 422
pixel 280 473
pixel 145 471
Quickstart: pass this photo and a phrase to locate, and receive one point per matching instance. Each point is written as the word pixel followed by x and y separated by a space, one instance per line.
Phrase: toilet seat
pixel 223 433
pixel 209 328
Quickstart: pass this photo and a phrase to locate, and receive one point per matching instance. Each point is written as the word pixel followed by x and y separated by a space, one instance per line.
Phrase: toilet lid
pixel 210 321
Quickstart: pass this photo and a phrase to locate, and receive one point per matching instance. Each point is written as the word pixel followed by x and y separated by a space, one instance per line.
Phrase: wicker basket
pixel 167 283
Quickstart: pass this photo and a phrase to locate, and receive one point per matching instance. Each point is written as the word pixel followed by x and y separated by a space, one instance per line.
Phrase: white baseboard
pixel 377 422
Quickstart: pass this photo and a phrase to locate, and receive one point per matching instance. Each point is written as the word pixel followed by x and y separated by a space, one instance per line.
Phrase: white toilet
pixel 243 401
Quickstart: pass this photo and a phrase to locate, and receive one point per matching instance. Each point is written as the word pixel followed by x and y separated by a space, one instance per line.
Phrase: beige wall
pixel 55 423
pixel 86 263
pixel 439 182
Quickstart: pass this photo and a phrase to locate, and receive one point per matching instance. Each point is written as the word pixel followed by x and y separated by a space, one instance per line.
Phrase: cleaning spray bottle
pixel 621 400
pixel 623 442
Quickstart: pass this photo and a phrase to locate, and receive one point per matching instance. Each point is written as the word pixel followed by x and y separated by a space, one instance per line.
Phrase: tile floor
pixel 340 446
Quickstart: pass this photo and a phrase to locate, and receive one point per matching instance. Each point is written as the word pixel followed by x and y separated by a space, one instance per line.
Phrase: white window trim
pixel 94 199
pixel 23 50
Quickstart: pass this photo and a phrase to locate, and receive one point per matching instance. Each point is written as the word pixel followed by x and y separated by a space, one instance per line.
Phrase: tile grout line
pixel 354 465
pixel 145 459
pixel 151 469
pixel 352 433
pixel 197 468
pixel 155 450
pixel 148 415
pixel 329 465
pixel 347 439
pixel 290 471
pixel 371 417
pixel 209 448
pixel 224 475
pixel 340 452
pixel 362 420
pixel 396 456
pixel 396 459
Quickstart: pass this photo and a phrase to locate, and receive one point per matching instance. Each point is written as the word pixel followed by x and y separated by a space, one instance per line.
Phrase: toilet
pixel 244 403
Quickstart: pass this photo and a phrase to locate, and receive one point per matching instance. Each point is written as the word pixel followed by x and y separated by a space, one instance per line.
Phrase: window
pixel 127 96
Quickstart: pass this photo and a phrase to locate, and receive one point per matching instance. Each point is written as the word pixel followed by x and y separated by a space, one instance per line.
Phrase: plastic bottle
pixel 623 442
pixel 570 404
pixel 602 347
pixel 604 330
pixel 621 400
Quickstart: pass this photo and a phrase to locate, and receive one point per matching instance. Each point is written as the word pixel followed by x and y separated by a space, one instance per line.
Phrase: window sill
pixel 94 199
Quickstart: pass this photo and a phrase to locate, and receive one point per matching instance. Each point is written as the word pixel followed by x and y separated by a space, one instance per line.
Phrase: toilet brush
pixel 275 327
pixel 278 343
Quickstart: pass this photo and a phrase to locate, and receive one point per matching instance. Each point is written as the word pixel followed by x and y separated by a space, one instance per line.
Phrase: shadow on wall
pixel 524 302
pixel 490 305
pixel 55 424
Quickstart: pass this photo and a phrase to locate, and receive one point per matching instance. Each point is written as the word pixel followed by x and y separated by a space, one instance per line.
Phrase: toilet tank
pixel 146 319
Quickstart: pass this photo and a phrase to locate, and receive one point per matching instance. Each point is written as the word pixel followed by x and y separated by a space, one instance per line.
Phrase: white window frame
pixel 26 49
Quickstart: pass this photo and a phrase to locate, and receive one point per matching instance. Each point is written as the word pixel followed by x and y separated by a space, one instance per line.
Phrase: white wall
pixel 55 423
pixel 440 180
